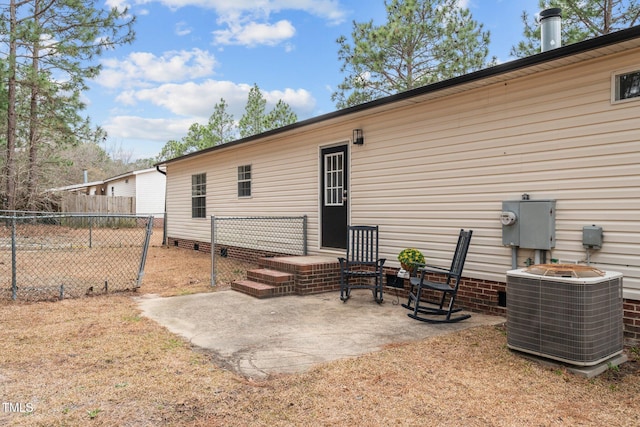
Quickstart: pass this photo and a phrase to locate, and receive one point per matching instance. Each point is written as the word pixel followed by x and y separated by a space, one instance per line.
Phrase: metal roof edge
pixel 104 181
pixel 130 173
pixel 75 186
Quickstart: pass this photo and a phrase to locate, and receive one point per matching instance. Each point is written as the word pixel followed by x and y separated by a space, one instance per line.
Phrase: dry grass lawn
pixel 97 361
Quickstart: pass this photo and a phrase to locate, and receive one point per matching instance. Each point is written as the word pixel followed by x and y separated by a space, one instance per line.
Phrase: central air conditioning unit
pixel 566 312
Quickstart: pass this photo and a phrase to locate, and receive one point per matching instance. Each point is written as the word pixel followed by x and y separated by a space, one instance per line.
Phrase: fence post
pixel 164 228
pixel 304 235
pixel 145 249
pixel 213 250
pixel 14 282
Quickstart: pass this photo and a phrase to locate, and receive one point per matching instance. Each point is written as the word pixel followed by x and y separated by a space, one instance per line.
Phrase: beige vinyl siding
pixel 284 181
pixel 178 218
pixel 428 170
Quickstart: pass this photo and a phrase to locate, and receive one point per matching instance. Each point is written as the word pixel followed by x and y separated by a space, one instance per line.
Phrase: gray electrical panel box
pixel 592 237
pixel 534 225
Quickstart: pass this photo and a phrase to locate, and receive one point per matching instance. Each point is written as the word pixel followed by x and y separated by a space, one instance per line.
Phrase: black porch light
pixel 358 137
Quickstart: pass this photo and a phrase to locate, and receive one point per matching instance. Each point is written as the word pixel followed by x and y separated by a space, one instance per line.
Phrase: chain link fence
pixel 238 243
pixel 55 256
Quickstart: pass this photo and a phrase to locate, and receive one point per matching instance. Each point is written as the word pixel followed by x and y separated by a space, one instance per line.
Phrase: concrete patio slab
pixel 256 338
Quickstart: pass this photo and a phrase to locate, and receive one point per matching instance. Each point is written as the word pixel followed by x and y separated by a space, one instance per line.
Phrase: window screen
pixel 244 181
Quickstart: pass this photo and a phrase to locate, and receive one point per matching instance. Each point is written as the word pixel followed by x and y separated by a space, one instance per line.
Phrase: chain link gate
pixel 56 256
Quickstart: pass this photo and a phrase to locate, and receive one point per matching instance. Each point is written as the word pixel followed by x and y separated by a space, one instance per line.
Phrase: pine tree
pixel 281 115
pixel 47 38
pixel 423 41
pixel 253 120
pixel 172 149
pixel 221 128
pixel 221 124
pixel 198 138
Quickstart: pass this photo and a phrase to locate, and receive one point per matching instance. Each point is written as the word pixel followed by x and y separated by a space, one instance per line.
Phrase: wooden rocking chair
pixel 448 287
pixel 361 263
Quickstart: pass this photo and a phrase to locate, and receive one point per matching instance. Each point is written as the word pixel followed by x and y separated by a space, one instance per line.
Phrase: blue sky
pixel 188 54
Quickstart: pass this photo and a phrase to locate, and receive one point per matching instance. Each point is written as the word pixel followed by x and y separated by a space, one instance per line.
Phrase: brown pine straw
pixel 97 361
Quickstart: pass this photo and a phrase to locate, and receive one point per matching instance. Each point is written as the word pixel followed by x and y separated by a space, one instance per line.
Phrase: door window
pixel 334 179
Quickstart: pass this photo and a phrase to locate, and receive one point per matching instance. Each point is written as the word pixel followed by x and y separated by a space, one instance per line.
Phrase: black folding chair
pixel 448 287
pixel 361 263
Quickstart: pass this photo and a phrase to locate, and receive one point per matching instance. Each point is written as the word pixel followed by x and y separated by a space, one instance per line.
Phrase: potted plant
pixel 410 259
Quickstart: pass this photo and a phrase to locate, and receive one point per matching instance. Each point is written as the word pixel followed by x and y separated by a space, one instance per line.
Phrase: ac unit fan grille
pixel 578 323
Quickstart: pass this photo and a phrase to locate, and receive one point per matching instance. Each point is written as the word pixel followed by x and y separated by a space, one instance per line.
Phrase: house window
pixel 199 195
pixel 244 181
pixel 626 86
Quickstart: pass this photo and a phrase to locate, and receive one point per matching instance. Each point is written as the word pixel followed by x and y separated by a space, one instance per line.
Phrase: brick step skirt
pixel 291 275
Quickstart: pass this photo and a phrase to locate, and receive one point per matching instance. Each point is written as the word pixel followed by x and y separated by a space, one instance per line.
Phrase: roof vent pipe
pixel 85 176
pixel 550 28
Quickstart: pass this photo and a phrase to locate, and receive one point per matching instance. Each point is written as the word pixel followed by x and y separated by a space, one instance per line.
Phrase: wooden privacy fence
pixel 82 203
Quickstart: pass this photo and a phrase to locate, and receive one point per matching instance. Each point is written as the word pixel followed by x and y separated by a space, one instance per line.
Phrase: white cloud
pixel 133 127
pixel 127 97
pixel 191 103
pixel 142 68
pixel 330 10
pixel 192 99
pixel 182 29
pixel 118 4
pixel 160 95
pixel 247 22
pixel 301 101
pixel 253 33
pixel 197 100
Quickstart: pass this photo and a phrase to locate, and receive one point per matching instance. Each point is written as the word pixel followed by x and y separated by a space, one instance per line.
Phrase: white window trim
pixel 333 187
pixel 250 181
pixel 203 196
pixel 614 84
